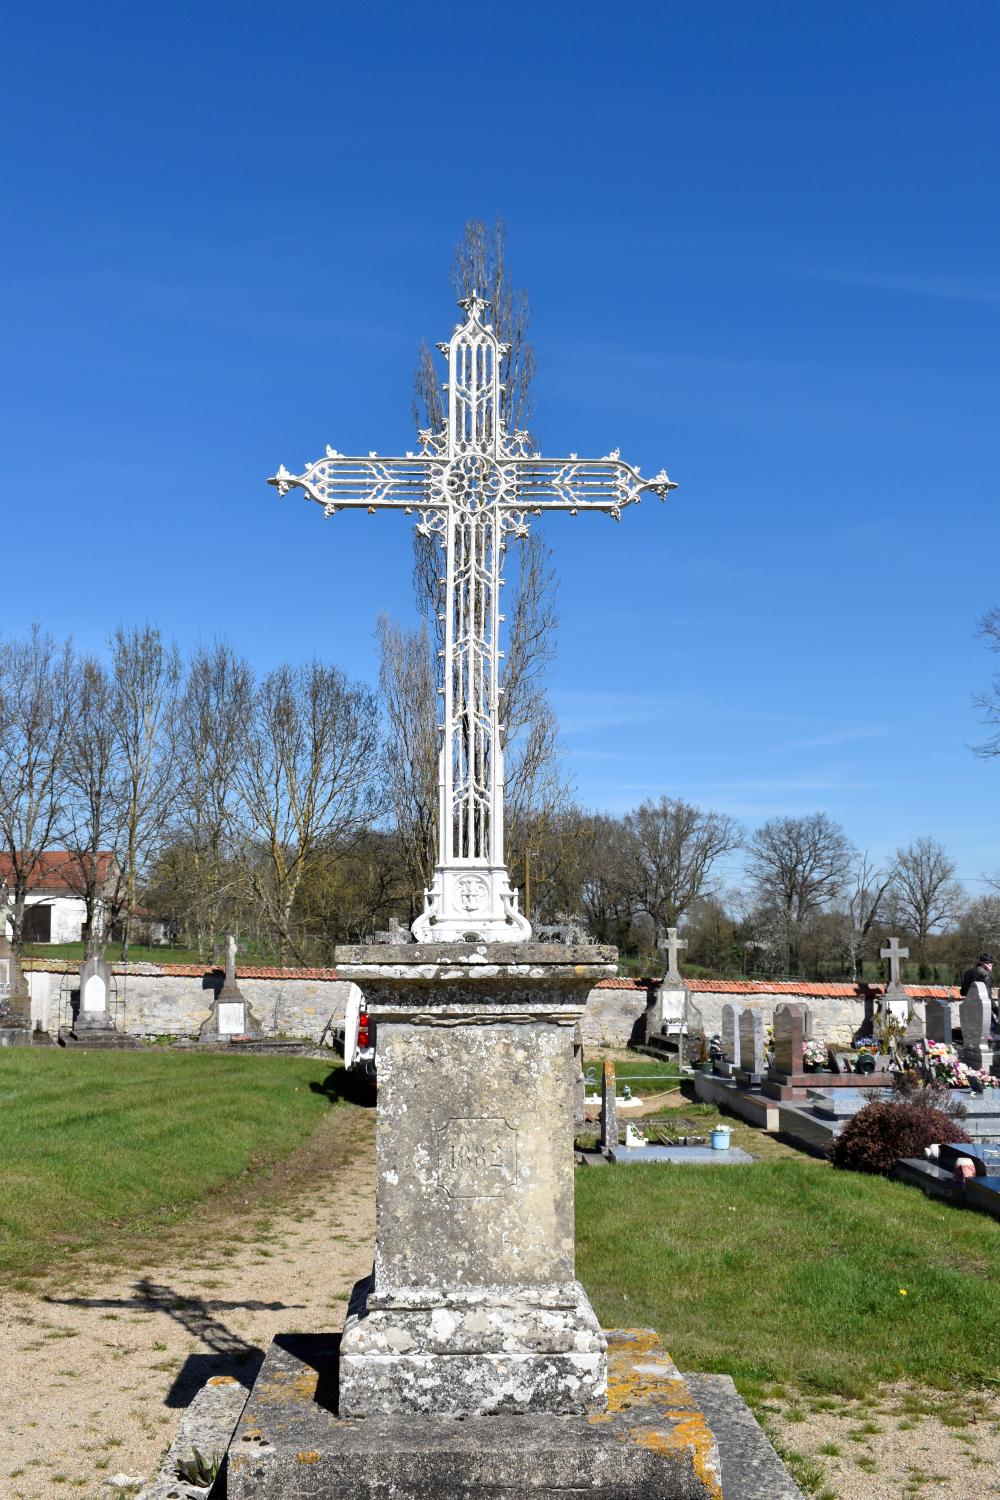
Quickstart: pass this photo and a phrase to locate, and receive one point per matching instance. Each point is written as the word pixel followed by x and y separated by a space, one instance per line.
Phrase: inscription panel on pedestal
pixel 478 1158
pixel 95 994
pixel 232 1018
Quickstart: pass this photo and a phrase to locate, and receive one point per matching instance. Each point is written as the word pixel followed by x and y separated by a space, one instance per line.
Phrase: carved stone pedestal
pixel 473 1306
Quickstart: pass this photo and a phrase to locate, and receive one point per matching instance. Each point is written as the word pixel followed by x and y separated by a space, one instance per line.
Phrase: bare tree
pixel 925 895
pixel 94 776
pixel 535 787
pixel 36 701
pixel 866 898
pixel 146 672
pixel 798 865
pixel 408 685
pixel 212 717
pixel 308 782
pixel 989 702
pixel 671 852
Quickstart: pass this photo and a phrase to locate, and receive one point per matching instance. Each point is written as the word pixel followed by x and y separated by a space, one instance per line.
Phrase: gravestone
pixel 752 1043
pixel 672 992
pixel 916 1025
pixel 579 1082
pixel 895 1001
pixel 731 1049
pixel 975 1019
pixel 791 1023
pixel 15 997
pixel 938 1013
pixel 609 1108
pixel 94 1018
pixel 230 1015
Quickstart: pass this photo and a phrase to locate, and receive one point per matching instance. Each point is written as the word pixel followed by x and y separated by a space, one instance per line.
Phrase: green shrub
pixel 876 1137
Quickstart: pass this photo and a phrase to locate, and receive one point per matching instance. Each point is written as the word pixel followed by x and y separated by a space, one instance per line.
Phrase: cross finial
pixel 894 953
pixel 671 945
pixel 474 305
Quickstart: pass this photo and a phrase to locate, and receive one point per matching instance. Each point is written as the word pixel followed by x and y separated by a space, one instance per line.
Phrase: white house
pixel 55 911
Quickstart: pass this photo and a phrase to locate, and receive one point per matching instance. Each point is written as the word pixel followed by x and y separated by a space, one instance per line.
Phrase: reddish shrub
pixel 876 1137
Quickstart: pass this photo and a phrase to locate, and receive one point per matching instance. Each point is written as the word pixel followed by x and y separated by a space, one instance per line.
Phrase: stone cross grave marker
pixel 790 1030
pixel 472 485
pixel 609 1108
pixel 939 1021
pixel 895 1000
pixel 752 1046
pixel 230 1015
pixel 671 945
pixel 731 1048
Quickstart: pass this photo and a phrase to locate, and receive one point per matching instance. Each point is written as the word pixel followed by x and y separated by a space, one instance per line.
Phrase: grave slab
pixel 652 1442
pixel 681 1155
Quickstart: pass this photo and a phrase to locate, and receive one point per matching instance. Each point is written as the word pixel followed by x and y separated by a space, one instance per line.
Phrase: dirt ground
pixel 98 1363
pixel 904 1444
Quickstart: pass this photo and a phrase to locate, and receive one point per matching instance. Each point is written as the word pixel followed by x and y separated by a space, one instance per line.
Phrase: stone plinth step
pixel 652 1442
pixel 93 1041
pixel 15 1036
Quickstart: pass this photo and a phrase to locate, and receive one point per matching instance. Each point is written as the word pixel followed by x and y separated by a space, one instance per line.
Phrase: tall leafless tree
pixel 36 703
pixel 866 898
pixel 95 780
pixel 309 782
pixel 924 892
pixel 672 851
pixel 147 672
pixel 989 702
pixel 212 716
pixel 535 785
pixel 408 685
pixel 798 865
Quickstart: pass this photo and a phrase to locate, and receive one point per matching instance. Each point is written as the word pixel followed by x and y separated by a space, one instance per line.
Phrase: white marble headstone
pixel 95 994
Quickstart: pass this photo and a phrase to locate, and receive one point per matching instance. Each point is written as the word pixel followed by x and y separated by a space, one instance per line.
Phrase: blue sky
pixel 761 247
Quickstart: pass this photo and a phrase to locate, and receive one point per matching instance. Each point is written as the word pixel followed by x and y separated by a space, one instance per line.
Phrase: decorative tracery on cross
pixel 470 485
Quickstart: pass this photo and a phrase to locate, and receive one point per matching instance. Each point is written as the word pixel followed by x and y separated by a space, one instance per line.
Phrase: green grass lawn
pixel 74 952
pixel 789 1271
pixel 97 1147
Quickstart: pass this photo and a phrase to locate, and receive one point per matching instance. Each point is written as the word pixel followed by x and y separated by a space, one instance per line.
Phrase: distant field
pixel 96 1147
pixel 137 955
pixel 789 1271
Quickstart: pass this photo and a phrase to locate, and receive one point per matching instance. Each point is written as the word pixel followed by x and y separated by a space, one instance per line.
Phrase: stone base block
pixel 15 1036
pixel 476 1352
pixel 652 1442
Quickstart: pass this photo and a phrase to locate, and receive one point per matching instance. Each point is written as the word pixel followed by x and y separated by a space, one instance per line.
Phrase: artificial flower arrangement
pixel 941 1062
pixel 814 1054
pixel 867 1044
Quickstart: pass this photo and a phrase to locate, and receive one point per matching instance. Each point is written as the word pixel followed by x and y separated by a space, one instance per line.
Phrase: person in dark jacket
pixel 982 970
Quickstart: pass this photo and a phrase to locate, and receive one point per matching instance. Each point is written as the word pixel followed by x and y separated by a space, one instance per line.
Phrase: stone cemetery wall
pixel 615 1008
pixel 174 999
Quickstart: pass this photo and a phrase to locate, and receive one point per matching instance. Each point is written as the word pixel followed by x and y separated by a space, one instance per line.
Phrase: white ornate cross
pixel 894 953
pixel 471 484
pixel 671 945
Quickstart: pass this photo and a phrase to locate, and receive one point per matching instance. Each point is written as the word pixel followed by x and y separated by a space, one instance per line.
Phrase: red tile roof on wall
pixel 56 870
pixel 816 991
pixel 704 986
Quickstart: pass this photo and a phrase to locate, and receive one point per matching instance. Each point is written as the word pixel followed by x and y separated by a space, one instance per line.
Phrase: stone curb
pixel 207 1424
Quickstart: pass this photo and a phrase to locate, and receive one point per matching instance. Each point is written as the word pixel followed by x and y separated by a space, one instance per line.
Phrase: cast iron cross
pixel 894 953
pixel 470 485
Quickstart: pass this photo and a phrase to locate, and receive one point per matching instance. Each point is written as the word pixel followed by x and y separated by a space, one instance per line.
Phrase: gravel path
pixel 905 1444
pixel 97 1365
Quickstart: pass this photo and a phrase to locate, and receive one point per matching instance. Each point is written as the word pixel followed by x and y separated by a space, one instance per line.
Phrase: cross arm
pixel 606 484
pixel 338 481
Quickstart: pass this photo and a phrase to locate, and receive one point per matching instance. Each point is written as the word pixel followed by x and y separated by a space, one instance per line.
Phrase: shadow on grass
pixel 228 1352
